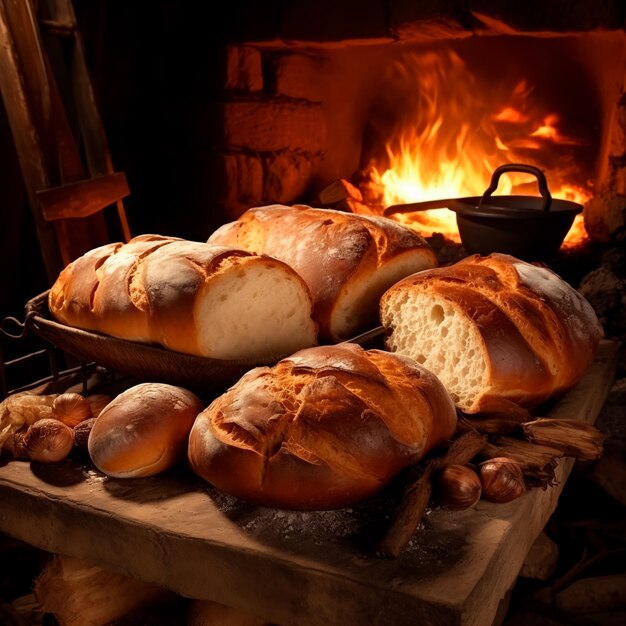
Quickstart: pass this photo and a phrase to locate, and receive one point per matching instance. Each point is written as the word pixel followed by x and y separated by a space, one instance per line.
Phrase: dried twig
pixel 417 494
pixel 409 514
pixel 490 425
pixel 575 438
pixel 547 440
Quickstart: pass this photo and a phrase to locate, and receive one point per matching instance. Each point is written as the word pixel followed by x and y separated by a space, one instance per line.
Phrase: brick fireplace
pixel 305 82
pixel 209 114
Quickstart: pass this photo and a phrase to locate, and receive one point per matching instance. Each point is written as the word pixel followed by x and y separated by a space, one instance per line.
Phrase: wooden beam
pixel 49 152
pixel 27 142
pixel 82 198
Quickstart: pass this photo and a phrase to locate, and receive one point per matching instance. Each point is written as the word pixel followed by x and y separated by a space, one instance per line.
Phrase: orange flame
pixel 453 137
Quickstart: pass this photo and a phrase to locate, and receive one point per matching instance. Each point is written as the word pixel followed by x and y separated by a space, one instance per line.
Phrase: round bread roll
pixel 322 429
pixel 144 430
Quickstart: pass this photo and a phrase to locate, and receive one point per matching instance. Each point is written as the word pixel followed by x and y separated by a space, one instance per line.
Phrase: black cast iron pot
pixel 528 227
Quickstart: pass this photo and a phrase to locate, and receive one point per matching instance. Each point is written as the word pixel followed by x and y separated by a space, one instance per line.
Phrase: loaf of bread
pixel 322 429
pixel 347 260
pixel 144 430
pixel 498 332
pixel 191 297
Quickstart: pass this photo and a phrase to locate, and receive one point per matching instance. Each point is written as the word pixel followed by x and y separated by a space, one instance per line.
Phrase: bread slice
pixel 500 333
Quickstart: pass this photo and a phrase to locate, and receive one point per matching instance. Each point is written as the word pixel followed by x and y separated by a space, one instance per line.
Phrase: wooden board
pixel 291 568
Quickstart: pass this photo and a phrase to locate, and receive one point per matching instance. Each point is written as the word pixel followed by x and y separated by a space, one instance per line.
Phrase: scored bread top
pixel 71 298
pixel 347 260
pixel 191 297
pixel 495 329
pixel 321 429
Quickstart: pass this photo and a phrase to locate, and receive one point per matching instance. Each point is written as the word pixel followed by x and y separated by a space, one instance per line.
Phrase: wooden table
pixel 290 567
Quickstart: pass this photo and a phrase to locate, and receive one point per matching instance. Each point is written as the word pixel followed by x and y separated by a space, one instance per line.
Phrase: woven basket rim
pixel 149 362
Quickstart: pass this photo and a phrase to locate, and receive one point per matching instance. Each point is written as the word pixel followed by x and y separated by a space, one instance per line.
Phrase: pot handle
pixel 520 167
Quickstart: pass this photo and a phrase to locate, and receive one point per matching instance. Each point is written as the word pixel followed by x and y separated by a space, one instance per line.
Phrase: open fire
pixel 454 128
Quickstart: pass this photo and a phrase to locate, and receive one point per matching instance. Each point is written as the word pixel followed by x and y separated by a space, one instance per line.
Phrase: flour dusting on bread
pixel 500 333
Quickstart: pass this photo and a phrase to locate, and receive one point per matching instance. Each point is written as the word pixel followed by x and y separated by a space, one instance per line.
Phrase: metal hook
pixel 24 327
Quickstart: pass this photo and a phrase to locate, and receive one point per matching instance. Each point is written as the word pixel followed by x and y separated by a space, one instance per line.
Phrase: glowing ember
pixel 454 137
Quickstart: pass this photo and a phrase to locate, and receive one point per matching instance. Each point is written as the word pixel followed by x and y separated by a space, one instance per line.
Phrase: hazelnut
pixel 81 433
pixel 71 409
pixel 48 440
pixel 502 479
pixel 459 487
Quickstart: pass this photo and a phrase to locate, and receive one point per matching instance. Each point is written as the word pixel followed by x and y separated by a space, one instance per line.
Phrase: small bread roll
pixel 144 430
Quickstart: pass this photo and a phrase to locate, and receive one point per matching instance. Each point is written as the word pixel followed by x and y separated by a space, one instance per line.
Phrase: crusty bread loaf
pixel 498 332
pixel 144 430
pixel 347 260
pixel 191 297
pixel 324 428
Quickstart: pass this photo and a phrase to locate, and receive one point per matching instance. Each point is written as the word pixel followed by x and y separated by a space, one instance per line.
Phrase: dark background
pixel 156 69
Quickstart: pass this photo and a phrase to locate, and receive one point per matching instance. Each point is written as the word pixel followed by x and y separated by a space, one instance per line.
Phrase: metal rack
pixel 60 367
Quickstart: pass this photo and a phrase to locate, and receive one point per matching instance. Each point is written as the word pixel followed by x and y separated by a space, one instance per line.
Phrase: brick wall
pixel 279 141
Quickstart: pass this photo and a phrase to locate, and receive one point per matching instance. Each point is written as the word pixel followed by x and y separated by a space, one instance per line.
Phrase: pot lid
pixel 513 206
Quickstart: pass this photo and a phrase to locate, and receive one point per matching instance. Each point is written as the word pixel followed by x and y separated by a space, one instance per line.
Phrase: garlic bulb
pixel 458 487
pixel 18 412
pixel 48 440
pixel 502 479
pixel 71 409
